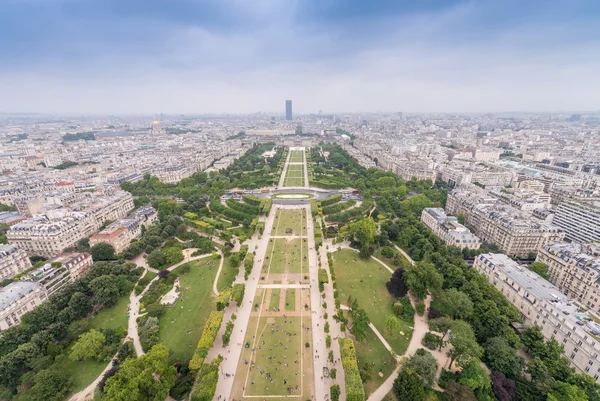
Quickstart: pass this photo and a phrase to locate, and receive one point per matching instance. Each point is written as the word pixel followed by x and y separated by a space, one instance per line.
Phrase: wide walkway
pixel 232 353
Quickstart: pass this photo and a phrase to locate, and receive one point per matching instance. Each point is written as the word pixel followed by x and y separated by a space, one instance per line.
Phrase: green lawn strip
pixel 290 299
pixel 289 219
pixel 374 357
pixel 150 275
pixel 387 261
pixel 182 323
pixel 365 280
pixel 227 276
pixel 112 318
pixel 82 373
pixel 284 256
pixel 277 343
pixel 85 372
pixel 275 298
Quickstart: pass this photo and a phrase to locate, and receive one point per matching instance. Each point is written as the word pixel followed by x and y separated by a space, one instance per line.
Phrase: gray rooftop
pixel 14 291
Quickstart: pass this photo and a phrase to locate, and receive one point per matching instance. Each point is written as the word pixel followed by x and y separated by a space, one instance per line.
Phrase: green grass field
pixel 294 177
pixel 228 274
pixel 297 156
pixel 286 219
pixel 352 274
pixel 85 372
pixel 290 299
pixel 182 323
pixel 372 355
pixel 275 299
pixel 286 256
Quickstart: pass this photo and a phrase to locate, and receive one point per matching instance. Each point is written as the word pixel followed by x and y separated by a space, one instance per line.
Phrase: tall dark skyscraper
pixel 288 109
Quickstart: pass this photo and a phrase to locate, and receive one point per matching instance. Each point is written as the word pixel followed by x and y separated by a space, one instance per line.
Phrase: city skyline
pixel 201 57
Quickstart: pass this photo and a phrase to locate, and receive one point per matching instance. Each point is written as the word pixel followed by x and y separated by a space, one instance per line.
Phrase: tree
pixel 408 386
pixel 476 377
pixel 502 357
pixel 424 365
pixel 397 286
pixel 360 322
pixel 83 245
pixel 566 392
pixel 173 256
pixel 157 259
pixel 441 325
pixel 540 268
pixel 503 387
pixel 103 251
pixel 89 345
pixel 533 339
pixel 50 384
pixel 147 378
pixel 459 392
pixel 105 289
pixel 363 232
pixel 465 347
pixel 392 325
pixel 80 304
pixel 421 278
pixel 488 321
pixel 455 304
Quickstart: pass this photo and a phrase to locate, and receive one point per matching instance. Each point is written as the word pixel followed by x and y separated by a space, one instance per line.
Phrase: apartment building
pixel 488 175
pixel 13 260
pixel 523 199
pixel 16 299
pixel 543 304
pixel 120 233
pixel 448 229
pixel 407 171
pixel 575 269
pixel 579 221
pixel 37 285
pixel 516 232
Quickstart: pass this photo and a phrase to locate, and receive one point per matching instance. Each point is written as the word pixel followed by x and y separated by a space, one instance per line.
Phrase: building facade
pixel 579 221
pixel 541 303
pixel 575 269
pixel 448 229
pixel 13 260
pixel 18 298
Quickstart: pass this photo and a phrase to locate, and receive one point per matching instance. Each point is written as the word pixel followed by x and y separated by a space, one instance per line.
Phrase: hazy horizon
pixel 240 57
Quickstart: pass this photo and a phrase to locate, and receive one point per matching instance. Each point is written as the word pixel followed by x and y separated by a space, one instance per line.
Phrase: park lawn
pixel 182 323
pixel 365 281
pixel 150 275
pixel 85 372
pixel 293 182
pixel 290 299
pixel 112 318
pixel 296 156
pixel 228 274
pixel 275 299
pixel 294 219
pixel 82 373
pixel 387 261
pixel 371 353
pixel 286 256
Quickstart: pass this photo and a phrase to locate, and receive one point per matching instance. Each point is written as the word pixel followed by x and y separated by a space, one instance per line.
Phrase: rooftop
pixel 14 291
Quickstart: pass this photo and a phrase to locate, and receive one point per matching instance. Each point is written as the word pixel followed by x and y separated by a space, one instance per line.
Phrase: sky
pixel 245 56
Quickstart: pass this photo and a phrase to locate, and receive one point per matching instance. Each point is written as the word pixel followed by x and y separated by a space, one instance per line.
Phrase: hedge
pixel 314 207
pixel 206 385
pixel 209 334
pixel 323 279
pixel 251 199
pixel 331 200
pixel 352 213
pixel 234 215
pixel 266 206
pixel 248 265
pixel 242 207
pixel 237 293
pixel 260 226
pixel 335 392
pixel 354 387
pixel 338 207
pixel 318 239
pixel 223 299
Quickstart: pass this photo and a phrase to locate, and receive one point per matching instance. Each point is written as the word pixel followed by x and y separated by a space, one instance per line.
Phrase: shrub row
pixel 331 200
pixel 336 294
pixel 338 207
pixel 318 238
pixel 323 279
pixel 248 264
pixel 205 387
pixel 237 293
pixel 251 199
pixel 352 213
pixel 260 226
pixel 231 214
pixel 209 334
pixel 265 206
pixel 223 299
pixel 242 207
pixel 227 333
pixel 314 207
pixel 354 387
